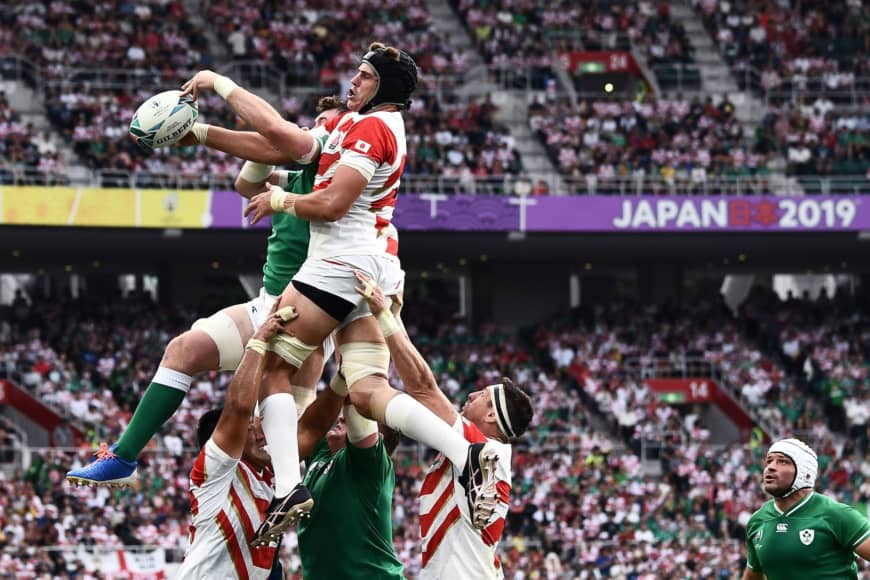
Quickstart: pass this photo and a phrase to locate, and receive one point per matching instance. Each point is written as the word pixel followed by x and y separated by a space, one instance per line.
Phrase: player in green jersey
pixel 351 478
pixel 217 342
pixel 801 533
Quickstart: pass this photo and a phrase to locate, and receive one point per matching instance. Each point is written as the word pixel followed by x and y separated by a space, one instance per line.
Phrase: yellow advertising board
pixel 104 207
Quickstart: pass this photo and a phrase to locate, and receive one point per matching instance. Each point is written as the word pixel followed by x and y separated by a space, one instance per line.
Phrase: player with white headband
pixel 459 538
pixel 801 533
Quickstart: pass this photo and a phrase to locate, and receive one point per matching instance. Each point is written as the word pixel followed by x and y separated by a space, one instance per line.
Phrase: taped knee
pixel 358 427
pixel 225 334
pixel 291 349
pixel 362 359
pixel 303 396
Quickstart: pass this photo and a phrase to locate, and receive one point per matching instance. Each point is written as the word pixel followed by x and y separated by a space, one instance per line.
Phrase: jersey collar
pixel 795 507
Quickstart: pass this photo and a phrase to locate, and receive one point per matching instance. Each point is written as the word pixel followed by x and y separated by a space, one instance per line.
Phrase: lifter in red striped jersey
pixel 231 480
pixel 459 538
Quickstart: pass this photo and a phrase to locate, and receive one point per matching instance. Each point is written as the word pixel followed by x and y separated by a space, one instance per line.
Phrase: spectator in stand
pixel 666 146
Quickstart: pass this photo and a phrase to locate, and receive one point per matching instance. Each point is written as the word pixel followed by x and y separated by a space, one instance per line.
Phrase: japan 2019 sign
pixel 95 207
pixel 640 213
pixel 736 213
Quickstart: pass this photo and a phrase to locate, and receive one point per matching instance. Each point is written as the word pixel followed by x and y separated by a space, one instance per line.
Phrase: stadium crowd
pixel 657 146
pixel 26 155
pixel 598 146
pixel 816 139
pixel 512 35
pixel 317 43
pixel 459 142
pixel 583 500
pixel 782 47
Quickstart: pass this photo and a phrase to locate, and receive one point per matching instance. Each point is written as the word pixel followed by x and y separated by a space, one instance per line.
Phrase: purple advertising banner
pixel 227 211
pixel 590 213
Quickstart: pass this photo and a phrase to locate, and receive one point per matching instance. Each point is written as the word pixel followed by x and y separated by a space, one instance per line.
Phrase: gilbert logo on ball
pixel 163 119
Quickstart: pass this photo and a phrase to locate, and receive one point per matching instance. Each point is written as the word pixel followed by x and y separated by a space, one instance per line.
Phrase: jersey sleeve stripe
pixel 236 502
pixel 262 504
pixel 433 544
pixel 388 200
pixel 226 528
pixel 503 489
pixel 198 473
pixel 427 518
pixel 492 533
pixel 392 247
pixel 432 479
pixel 863 537
pixel 472 433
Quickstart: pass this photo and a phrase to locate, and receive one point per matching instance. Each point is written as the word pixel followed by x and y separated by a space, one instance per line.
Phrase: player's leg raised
pixel 213 343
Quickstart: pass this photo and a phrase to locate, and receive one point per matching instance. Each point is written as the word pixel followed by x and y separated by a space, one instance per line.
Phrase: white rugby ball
pixel 163 119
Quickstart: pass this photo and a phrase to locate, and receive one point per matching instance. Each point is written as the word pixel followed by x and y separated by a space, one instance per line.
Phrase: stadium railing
pixel 789 91
pixel 556 184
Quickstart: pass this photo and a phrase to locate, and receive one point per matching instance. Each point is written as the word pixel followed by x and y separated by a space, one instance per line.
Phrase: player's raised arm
pixel 286 137
pixel 242 392
pixel 248 145
pixel 410 364
pixel 318 419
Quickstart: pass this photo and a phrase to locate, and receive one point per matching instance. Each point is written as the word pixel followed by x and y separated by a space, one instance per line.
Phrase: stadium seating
pixel 318 44
pixel 817 140
pixel 665 146
pixel 783 50
pixel 25 155
pixel 582 500
pixel 609 481
pixel 511 36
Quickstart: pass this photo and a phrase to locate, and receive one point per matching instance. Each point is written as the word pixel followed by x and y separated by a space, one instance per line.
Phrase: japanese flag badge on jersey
pixel 807 536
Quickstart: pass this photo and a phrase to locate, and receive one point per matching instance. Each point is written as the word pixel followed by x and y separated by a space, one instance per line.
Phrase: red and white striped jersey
pixel 228 500
pixel 373 144
pixel 452 547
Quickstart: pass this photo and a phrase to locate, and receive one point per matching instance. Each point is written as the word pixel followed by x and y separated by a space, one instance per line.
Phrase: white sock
pixel 303 397
pixel 411 418
pixel 172 378
pixel 278 411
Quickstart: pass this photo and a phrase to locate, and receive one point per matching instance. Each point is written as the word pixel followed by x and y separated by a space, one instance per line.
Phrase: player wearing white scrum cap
pixel 801 533
pixel 806 467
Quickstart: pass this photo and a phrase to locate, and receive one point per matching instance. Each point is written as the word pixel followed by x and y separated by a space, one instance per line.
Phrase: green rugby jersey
pixel 814 539
pixel 287 246
pixel 350 532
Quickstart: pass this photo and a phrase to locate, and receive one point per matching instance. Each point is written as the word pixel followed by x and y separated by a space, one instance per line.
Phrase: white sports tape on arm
pixel 258 346
pixel 224 86
pixel 312 153
pixel 388 323
pixel 253 172
pixel 358 427
pixel 225 334
pixel 277 200
pixel 200 132
pixel 291 349
pixel 362 359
